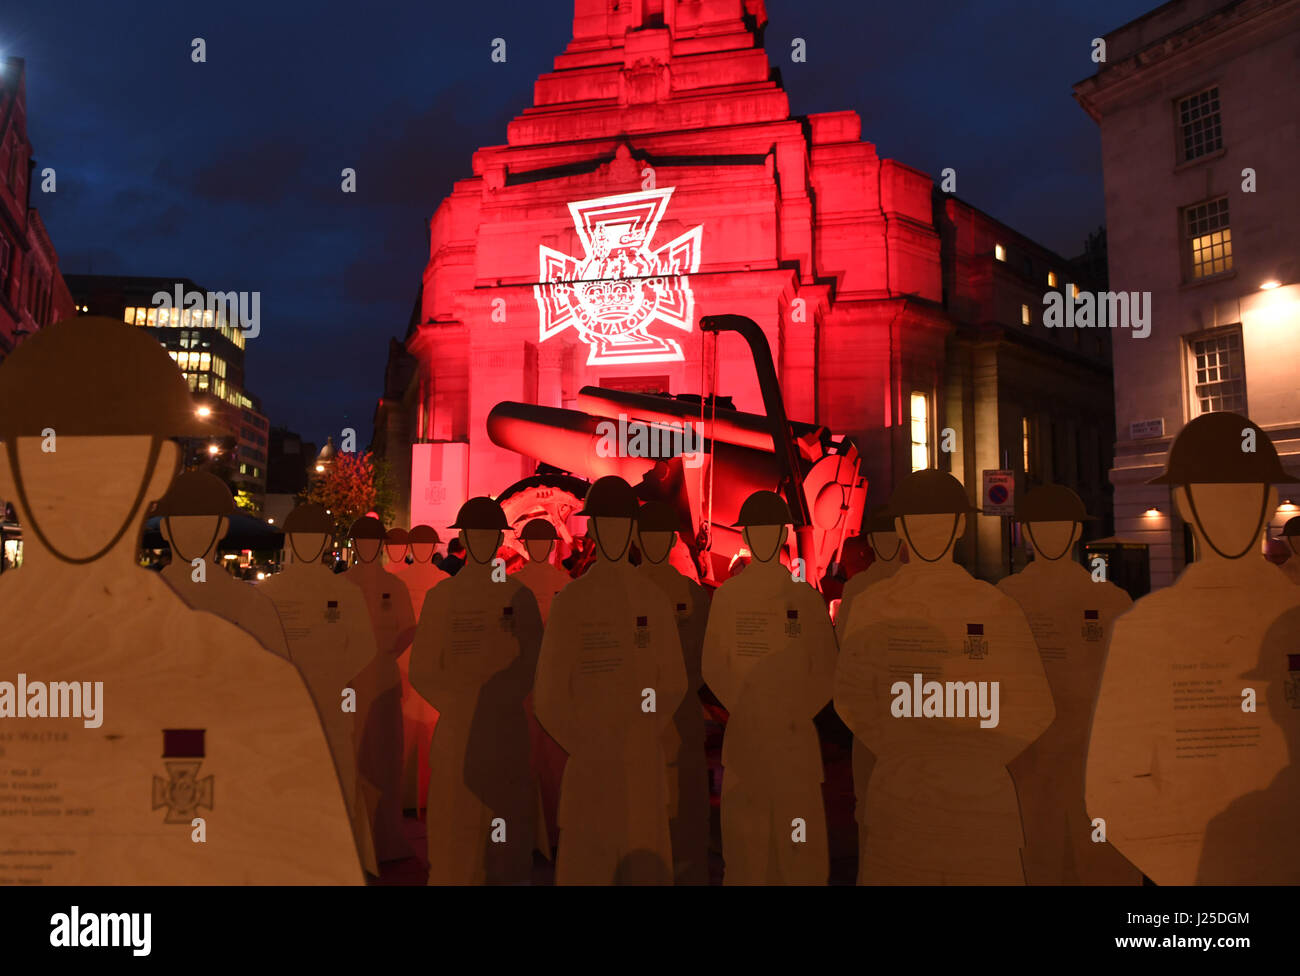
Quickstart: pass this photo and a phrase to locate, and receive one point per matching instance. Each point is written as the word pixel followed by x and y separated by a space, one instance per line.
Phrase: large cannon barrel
pixel 581 444
pixel 725 424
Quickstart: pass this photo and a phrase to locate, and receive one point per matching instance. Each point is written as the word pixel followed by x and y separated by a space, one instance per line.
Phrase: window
pixel 920 431
pixel 1199 117
pixel 1024 314
pixel 1209 238
pixel 1218 372
pixel 1051 279
pixel 1026 439
pixel 999 252
pixel 1074 291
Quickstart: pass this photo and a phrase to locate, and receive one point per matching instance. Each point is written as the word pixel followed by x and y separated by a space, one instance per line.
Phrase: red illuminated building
pixel 659 177
pixel 32 291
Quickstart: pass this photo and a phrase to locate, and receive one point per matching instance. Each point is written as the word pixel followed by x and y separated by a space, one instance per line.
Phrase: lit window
pixel 1026 436
pixel 1074 291
pixel 128 316
pixel 1218 372
pixel 1024 314
pixel 176 356
pixel 1209 238
pixel 205 361
pixel 920 432
pixel 1051 279
pixel 999 252
pixel 1199 117
pixel 152 317
pixel 207 317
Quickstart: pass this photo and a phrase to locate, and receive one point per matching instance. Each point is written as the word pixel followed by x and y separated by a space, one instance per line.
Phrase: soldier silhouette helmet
pixel 95 377
pixel 367 527
pixel 657 516
pixel 424 535
pixel 1051 503
pixel 1292 528
pixel 481 513
pixel 1208 451
pixel 610 497
pixel 308 518
pixel 930 492
pixel 194 493
pixel 396 537
pixel 763 508
pixel 92 377
pixel 538 528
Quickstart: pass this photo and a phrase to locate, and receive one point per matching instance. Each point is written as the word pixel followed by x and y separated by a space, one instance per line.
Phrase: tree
pixel 346 489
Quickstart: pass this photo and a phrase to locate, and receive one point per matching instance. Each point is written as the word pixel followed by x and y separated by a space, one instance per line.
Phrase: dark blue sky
pixel 228 172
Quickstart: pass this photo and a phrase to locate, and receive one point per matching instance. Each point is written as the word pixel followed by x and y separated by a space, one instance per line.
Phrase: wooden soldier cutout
pixel 544 580
pixel 330 639
pixel 1291 539
pixel 1253 841
pixel 86 407
pixel 610 678
pixel 194 518
pixel 473 659
pixel 418 716
pixel 769 657
pixel 688 773
pixel 891 554
pixel 941 806
pixel 1158 765
pixel 1072 615
pixel 379 686
pixel 539 574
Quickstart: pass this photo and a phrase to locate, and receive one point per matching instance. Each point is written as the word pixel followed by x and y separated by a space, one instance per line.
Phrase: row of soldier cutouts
pixel 1044 730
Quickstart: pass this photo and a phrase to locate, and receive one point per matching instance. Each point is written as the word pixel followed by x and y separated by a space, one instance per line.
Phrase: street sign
pixel 999 493
pixel 1140 429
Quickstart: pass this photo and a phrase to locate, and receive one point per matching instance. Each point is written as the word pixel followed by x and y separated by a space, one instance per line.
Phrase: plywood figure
pixel 769 657
pixel 1171 745
pixel 1072 612
pixel 609 681
pixel 184 752
pixel 940 678
pixel 474 656
pixel 418 716
pixel 195 515
pixel 379 686
pixel 1291 539
pixel 544 580
pixel 890 554
pixel 688 774
pixel 1253 840
pixel 327 625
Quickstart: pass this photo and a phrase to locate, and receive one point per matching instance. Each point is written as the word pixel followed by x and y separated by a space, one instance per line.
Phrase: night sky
pixel 228 172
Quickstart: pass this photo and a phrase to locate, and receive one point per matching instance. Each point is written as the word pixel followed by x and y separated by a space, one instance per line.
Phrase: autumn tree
pixel 347 489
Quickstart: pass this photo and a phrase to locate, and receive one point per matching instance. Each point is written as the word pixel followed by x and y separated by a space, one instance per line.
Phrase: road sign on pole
pixel 999 493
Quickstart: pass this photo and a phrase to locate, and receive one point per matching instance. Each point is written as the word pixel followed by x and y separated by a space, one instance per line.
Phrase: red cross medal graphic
pixel 183 793
pixel 620 287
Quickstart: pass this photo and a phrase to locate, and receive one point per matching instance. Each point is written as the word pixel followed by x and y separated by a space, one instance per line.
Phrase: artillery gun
pixel 695 453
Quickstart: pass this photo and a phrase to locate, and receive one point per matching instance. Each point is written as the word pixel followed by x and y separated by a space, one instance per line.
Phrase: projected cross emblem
pixel 620 287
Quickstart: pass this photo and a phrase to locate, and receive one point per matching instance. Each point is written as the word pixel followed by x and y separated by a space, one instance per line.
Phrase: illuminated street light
pixel 1269 285
pixel 204 411
pixel 320 469
pixel 213 449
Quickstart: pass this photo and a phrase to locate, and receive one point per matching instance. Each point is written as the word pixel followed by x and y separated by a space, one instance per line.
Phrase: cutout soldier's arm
pixel 716 666
pixel 553 684
pixel 1121 785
